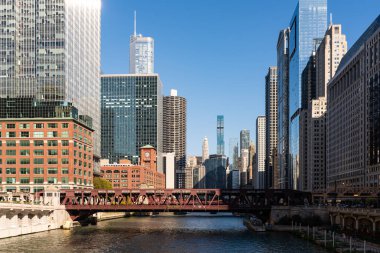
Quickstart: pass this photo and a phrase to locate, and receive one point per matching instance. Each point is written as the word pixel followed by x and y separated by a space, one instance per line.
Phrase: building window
pixel 65 134
pixel 52 143
pixel 65 161
pixel 38 152
pixel 52 134
pixel 38 161
pixel 38 180
pixel 38 143
pixel 65 125
pixel 11 180
pixel 24 171
pixel 38 125
pixel 52 152
pixel 65 180
pixel 38 134
pixel 52 171
pixel 11 171
pixel 11 161
pixel 11 143
pixel 24 125
pixel 52 161
pixel 24 143
pixel 11 126
pixel 11 134
pixel 24 180
pixel 52 180
pixel 38 171
pixel 65 152
pixel 24 161
pixel 10 152
pixel 65 171
pixel 65 143
pixel 52 125
pixel 24 152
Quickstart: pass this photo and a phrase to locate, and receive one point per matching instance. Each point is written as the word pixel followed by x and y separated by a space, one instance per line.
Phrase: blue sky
pixel 216 53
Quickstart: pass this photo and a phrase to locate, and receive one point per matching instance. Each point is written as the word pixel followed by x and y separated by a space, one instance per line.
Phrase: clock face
pixel 147 154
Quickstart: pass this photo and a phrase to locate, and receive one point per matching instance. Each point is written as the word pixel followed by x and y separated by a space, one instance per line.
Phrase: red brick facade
pixel 35 153
pixel 127 175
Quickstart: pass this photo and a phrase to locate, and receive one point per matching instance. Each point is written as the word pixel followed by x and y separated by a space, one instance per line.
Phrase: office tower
pixel 235 178
pixel 316 146
pixel 309 85
pixel 271 125
pixel 309 21
pixel 353 122
pixel 329 54
pixel 244 159
pixel 252 155
pixel 220 135
pixel 233 152
pixel 283 108
pixel 174 129
pixel 259 173
pixel 51 52
pixel 168 167
pixel 141 53
pixel 131 107
pixel 244 139
pixel 215 176
pixel 205 151
pixel 39 142
pixel 199 178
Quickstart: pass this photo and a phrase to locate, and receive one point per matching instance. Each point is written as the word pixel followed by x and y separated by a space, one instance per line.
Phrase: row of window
pixel 35 161
pixel 40 180
pixel 36 152
pixel 35 125
pixel 50 143
pixel 40 171
pixel 25 134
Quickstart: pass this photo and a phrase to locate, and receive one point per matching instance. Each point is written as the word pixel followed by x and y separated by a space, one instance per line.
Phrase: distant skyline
pixel 216 53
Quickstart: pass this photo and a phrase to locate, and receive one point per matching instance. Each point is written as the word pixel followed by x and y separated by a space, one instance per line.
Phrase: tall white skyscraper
pixel 141 53
pixel 260 154
pixel 51 51
pixel 205 153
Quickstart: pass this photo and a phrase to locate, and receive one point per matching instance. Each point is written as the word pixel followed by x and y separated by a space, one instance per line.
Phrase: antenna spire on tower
pixel 134 23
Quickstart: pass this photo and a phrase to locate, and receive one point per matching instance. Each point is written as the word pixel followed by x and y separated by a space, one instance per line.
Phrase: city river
pixel 172 234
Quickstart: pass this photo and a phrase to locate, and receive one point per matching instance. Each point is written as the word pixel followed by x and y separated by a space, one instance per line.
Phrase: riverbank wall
pixel 279 213
pixel 21 219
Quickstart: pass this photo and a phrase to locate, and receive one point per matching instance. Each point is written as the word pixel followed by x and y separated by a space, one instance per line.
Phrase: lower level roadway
pixel 161 234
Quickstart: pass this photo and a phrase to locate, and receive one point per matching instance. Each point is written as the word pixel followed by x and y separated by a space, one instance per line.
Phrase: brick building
pixel 39 151
pixel 127 175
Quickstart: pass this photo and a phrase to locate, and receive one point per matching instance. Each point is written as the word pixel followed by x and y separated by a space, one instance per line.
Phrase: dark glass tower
pixel 131 107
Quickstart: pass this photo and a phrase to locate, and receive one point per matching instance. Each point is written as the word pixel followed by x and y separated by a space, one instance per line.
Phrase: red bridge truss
pixel 178 200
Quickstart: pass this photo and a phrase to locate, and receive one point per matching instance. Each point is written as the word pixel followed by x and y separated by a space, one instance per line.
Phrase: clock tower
pixel 148 157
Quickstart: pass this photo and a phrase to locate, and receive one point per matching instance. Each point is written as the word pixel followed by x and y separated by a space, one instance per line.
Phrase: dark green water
pixel 160 235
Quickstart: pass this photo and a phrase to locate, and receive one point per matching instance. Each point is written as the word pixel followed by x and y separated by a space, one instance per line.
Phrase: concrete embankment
pixel 109 216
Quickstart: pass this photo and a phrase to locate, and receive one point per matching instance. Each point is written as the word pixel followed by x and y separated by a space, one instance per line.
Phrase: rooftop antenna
pixel 331 22
pixel 134 23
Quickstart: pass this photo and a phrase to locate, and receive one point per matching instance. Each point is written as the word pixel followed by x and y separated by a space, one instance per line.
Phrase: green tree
pixel 101 183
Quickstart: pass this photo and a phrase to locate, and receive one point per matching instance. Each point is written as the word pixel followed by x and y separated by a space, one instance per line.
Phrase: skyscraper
pixel 283 108
pixel 131 115
pixel 51 51
pixel 205 151
pixel 271 126
pixel 216 176
pixel 220 135
pixel 174 128
pixel 309 21
pixel 353 122
pixel 244 139
pixel 141 53
pixel 259 171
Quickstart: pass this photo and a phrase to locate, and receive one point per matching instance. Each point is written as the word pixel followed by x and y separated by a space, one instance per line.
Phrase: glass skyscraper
pixel 220 135
pixel 131 115
pixel 50 51
pixel 309 22
pixel 244 139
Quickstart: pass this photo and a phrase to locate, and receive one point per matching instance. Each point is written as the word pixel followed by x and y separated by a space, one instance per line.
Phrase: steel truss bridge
pixel 80 202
